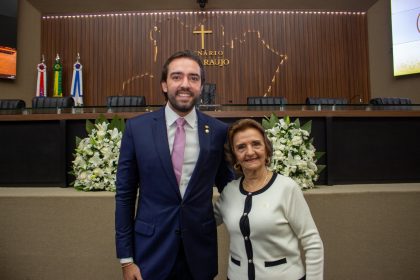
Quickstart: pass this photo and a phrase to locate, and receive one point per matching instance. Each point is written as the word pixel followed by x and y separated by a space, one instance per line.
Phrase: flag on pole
pixel 77 83
pixel 41 81
pixel 58 75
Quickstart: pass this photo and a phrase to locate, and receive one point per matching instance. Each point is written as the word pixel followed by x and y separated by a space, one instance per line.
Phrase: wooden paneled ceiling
pixel 96 6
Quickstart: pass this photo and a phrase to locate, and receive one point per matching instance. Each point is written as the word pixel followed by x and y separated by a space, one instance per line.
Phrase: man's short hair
pixel 183 54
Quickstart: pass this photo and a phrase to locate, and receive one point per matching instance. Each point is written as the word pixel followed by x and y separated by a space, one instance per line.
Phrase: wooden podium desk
pixel 363 144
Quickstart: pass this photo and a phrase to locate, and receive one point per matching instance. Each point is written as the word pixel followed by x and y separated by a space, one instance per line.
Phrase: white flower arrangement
pixel 294 155
pixel 96 156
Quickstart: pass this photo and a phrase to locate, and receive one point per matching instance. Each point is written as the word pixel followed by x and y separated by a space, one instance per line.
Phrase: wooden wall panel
pixel 295 54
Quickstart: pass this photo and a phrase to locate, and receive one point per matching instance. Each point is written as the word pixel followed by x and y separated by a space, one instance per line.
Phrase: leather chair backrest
pixel 12 104
pixel 208 94
pixel 126 101
pixel 266 100
pixel 52 102
pixel 390 101
pixel 325 101
pixel 208 87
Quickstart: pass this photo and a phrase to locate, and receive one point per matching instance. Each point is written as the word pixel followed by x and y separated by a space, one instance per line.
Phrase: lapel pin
pixel 206 129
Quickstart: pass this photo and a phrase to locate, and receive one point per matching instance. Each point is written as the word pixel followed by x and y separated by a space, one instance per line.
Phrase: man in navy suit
pixel 172 232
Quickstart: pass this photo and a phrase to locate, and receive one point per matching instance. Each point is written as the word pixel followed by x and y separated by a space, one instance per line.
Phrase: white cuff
pixel 126 260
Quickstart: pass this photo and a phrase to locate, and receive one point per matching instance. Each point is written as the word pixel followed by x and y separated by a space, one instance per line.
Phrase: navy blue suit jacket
pixel 151 232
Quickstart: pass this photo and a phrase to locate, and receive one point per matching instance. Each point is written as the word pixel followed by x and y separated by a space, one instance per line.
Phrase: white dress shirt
pixel 192 145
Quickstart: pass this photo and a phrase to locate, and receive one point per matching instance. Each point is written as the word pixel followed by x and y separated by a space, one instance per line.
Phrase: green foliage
pixel 270 122
pixel 319 155
pixel 89 126
pixel 307 126
pixel 116 122
pixel 321 168
pixel 78 139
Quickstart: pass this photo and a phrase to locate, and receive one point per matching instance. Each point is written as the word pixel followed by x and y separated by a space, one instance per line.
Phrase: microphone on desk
pixel 360 101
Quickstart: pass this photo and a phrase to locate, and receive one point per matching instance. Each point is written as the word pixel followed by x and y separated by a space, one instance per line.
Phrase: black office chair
pixel 266 100
pixel 12 104
pixel 325 101
pixel 126 101
pixel 208 94
pixel 52 102
pixel 390 101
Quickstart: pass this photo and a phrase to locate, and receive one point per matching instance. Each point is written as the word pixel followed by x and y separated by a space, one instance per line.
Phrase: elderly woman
pixel 266 214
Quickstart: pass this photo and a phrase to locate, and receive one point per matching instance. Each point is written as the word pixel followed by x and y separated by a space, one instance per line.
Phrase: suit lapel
pixel 160 137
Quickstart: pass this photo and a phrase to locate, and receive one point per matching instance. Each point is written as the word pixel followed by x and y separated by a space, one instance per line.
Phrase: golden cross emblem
pixel 202 32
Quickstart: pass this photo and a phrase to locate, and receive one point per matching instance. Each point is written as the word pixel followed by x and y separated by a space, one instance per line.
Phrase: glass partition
pixel 214 108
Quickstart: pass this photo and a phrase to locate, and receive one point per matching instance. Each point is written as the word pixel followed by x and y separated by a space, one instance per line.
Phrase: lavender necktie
pixel 178 148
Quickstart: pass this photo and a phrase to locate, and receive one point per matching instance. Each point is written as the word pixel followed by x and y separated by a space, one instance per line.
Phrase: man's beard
pixel 184 108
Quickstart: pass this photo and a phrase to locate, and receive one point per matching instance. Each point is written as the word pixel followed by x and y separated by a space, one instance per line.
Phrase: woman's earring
pixel 236 166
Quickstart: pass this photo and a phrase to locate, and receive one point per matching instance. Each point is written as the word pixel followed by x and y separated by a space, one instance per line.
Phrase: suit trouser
pixel 181 270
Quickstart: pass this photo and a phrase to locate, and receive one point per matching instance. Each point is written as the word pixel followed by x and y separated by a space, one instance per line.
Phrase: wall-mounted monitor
pixel 405 17
pixel 8 38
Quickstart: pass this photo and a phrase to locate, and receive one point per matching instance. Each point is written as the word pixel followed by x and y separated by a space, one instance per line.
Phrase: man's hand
pixel 131 272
